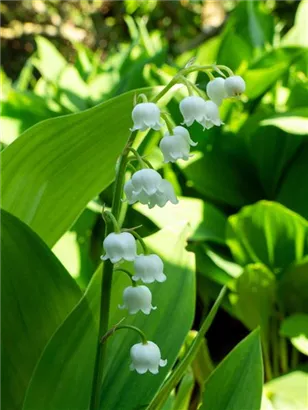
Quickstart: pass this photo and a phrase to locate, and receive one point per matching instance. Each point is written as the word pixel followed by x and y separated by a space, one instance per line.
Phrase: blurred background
pixel 62 57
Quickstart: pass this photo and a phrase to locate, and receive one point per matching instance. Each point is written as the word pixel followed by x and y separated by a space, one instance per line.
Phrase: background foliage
pixel 68 75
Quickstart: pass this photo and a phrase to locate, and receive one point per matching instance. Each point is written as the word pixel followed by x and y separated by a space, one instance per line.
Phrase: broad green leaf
pixel 50 61
pixel 206 222
pixel 222 173
pixel 256 293
pixel 271 151
pixel 264 73
pixel 37 295
pixel 295 327
pixel 237 382
pixel 59 165
pixel 292 287
pixel 269 233
pixel 184 392
pixel 294 188
pixel 294 122
pixel 71 350
pixel 288 392
pixel 298 34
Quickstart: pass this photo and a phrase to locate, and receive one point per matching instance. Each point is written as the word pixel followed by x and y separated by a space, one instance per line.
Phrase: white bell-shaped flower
pixel 119 246
pixel 148 187
pixel 215 90
pixel 137 298
pixel 176 146
pixel 192 109
pixel 234 86
pixel 146 115
pixel 211 117
pixel 146 357
pixel 149 268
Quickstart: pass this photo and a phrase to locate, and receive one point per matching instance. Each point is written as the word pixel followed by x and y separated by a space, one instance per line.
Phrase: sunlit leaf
pixel 237 382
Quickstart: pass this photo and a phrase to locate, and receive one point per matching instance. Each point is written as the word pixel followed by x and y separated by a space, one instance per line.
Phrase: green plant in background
pixel 243 193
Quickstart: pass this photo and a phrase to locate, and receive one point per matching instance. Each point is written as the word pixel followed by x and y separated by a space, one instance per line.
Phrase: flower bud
pixel 148 187
pixel 215 90
pixel 146 115
pixel 176 146
pixel 146 357
pixel 119 246
pixel 192 109
pixel 234 85
pixel 137 298
pixel 211 115
pixel 149 268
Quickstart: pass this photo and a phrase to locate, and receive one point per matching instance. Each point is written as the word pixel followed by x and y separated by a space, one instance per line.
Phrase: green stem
pixel 283 354
pixel 168 122
pixel 275 347
pixel 180 369
pixel 127 273
pixel 294 358
pixel 138 156
pixel 108 216
pixel 130 327
pixel 142 243
pixel 105 294
pixel 267 360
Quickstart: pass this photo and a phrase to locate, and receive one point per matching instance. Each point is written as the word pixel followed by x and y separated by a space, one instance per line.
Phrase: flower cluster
pixel 148 187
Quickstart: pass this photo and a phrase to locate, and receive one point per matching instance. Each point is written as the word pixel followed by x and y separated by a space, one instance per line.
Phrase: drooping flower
pixel 146 115
pixel 146 357
pixel 192 109
pixel 148 187
pixel 149 268
pixel 234 86
pixel 137 298
pixel 176 146
pixel 215 90
pixel 119 246
pixel 211 117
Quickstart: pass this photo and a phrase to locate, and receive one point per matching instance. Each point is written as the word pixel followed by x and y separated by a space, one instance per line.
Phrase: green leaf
pixel 50 61
pixel 288 392
pixel 37 295
pixel 237 382
pixel 293 285
pixel 184 392
pixel 256 294
pixel 269 233
pixel 271 151
pixel 207 222
pixel 222 173
pixel 59 165
pixel 295 327
pixel 294 122
pixel 294 188
pixel 63 376
pixel 264 73
pixel 298 34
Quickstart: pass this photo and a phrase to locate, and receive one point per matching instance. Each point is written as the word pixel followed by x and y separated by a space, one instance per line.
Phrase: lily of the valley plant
pixel 148 187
